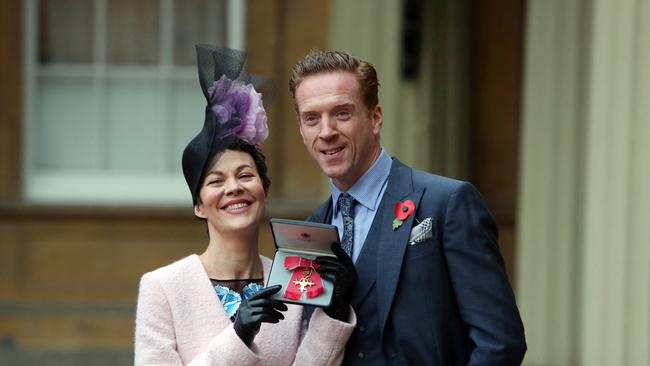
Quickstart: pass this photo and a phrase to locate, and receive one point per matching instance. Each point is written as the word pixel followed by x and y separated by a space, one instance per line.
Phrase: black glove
pixel 340 271
pixel 255 310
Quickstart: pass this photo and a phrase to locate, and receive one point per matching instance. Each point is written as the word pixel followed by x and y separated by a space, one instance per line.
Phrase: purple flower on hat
pixel 238 106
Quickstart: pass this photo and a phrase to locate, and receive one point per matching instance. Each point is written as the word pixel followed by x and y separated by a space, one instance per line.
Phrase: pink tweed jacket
pixel 180 321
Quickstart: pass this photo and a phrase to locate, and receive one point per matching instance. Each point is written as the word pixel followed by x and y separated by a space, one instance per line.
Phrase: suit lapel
pixel 366 264
pixel 383 244
pixel 392 243
pixel 323 213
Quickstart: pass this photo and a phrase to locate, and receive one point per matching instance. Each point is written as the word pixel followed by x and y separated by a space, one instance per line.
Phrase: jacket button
pixel 360 355
pixel 362 328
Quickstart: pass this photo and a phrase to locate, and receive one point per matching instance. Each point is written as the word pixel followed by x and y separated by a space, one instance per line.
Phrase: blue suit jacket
pixel 444 301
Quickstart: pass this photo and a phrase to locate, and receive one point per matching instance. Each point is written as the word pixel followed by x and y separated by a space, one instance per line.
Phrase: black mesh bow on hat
pixel 234 110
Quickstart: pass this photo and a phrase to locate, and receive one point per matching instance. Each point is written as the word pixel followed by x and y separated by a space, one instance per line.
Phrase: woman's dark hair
pixel 238 144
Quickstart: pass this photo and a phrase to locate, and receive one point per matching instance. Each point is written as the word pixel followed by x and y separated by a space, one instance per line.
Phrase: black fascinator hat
pixel 234 110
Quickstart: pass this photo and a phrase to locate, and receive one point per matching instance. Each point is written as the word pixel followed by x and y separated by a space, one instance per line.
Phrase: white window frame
pixel 74 187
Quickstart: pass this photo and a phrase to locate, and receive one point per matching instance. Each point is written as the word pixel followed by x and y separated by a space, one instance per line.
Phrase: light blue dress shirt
pixel 367 191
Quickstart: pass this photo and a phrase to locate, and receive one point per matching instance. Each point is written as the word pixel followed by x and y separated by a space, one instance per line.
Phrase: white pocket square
pixel 421 231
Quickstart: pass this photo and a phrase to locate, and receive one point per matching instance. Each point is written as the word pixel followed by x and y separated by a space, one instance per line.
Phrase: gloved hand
pixel 255 310
pixel 340 271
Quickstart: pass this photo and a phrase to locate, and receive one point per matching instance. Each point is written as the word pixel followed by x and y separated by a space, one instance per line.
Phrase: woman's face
pixel 231 196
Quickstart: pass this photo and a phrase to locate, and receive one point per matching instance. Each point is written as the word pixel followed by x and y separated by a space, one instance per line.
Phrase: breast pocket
pixel 425 248
pixel 429 246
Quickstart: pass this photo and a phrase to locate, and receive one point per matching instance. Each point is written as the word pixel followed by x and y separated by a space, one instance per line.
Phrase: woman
pixel 212 308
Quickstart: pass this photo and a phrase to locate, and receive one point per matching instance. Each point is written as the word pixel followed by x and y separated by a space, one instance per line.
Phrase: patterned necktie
pixel 346 205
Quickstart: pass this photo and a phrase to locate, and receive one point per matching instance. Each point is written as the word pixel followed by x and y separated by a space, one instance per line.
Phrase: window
pixel 112 95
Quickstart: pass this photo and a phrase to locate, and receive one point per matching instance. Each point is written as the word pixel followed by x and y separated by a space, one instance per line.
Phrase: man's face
pixel 337 128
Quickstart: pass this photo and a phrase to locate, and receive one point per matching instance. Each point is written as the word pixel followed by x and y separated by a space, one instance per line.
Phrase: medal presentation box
pixel 297 244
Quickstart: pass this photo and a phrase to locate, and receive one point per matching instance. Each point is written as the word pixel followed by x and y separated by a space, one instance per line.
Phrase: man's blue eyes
pixel 339 115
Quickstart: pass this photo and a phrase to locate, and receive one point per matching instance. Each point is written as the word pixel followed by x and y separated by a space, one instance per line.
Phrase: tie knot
pixel 346 204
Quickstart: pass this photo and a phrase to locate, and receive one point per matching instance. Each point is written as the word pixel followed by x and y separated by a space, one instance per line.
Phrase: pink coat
pixel 180 321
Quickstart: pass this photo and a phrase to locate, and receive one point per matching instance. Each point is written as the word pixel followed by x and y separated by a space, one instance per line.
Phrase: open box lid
pixel 301 236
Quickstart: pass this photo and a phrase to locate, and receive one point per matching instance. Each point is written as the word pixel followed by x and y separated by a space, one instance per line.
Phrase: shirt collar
pixel 367 188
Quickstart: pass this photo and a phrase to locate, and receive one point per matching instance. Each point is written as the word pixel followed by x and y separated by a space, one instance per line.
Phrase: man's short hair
pixel 318 61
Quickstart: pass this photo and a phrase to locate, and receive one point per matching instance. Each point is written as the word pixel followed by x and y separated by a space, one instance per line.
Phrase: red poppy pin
pixel 402 211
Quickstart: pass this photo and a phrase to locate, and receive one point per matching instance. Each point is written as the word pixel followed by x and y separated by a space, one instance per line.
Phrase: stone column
pixel 616 256
pixel 583 261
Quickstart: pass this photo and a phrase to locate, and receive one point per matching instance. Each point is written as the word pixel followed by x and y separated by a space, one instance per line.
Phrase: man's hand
pixel 340 271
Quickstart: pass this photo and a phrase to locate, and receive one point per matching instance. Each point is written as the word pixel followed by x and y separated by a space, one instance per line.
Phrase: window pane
pixel 137 125
pixel 133 31
pixel 197 21
pixel 66 31
pixel 67 126
pixel 188 117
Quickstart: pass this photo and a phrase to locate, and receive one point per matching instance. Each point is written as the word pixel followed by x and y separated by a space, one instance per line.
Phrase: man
pixel 432 288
